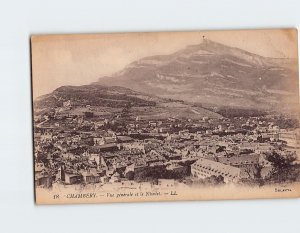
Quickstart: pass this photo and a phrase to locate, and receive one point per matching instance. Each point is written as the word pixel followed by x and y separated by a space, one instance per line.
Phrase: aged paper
pixel 165 116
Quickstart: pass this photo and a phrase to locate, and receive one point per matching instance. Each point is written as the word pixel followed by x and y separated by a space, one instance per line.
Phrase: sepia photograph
pixel 165 116
pixel 149 116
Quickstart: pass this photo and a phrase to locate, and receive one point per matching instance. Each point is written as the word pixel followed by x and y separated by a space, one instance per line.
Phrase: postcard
pixel 165 116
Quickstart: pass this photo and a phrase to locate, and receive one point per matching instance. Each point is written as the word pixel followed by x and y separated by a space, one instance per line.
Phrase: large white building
pixel 204 168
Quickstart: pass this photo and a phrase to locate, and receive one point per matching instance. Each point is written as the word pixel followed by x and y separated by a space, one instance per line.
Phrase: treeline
pixel 106 100
pixel 286 123
pixel 230 112
pixel 154 173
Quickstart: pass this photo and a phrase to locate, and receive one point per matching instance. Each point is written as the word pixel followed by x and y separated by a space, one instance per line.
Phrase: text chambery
pixel 81 195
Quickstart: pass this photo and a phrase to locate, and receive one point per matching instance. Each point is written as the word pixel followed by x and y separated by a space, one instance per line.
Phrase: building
pixel 243 161
pixel 103 148
pixel 90 177
pixel 72 178
pixel 43 180
pixel 204 168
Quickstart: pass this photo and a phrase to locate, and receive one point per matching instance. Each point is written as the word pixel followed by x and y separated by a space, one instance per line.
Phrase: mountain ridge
pixel 212 73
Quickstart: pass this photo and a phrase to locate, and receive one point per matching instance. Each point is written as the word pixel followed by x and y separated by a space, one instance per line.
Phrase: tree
pixel 254 175
pixel 43 158
pixel 214 180
pixel 284 169
pixel 281 161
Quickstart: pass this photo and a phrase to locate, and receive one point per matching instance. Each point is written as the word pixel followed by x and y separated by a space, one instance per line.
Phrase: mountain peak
pixel 211 72
pixel 219 48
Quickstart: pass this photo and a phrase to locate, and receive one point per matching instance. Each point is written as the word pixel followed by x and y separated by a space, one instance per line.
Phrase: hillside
pixel 212 73
pixel 111 100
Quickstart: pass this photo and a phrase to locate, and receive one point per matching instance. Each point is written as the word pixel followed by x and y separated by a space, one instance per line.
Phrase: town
pixel 75 146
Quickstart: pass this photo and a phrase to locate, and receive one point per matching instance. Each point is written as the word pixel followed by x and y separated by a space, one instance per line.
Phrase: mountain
pixel 213 74
pixel 110 100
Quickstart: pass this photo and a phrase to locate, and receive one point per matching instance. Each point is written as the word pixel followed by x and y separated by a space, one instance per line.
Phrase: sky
pixel 80 59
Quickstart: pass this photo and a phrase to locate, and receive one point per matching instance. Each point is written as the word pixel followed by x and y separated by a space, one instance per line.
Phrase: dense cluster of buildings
pixel 77 146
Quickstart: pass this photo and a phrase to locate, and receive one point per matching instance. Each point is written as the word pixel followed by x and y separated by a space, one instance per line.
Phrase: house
pixel 98 140
pixel 244 146
pixel 67 104
pixel 263 148
pixel 134 146
pixel 152 123
pixel 104 179
pixel 163 130
pixel 90 177
pixel 43 179
pixel 72 178
pixel 124 139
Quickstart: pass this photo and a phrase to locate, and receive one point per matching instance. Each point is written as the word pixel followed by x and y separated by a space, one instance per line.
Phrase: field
pixel 173 109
